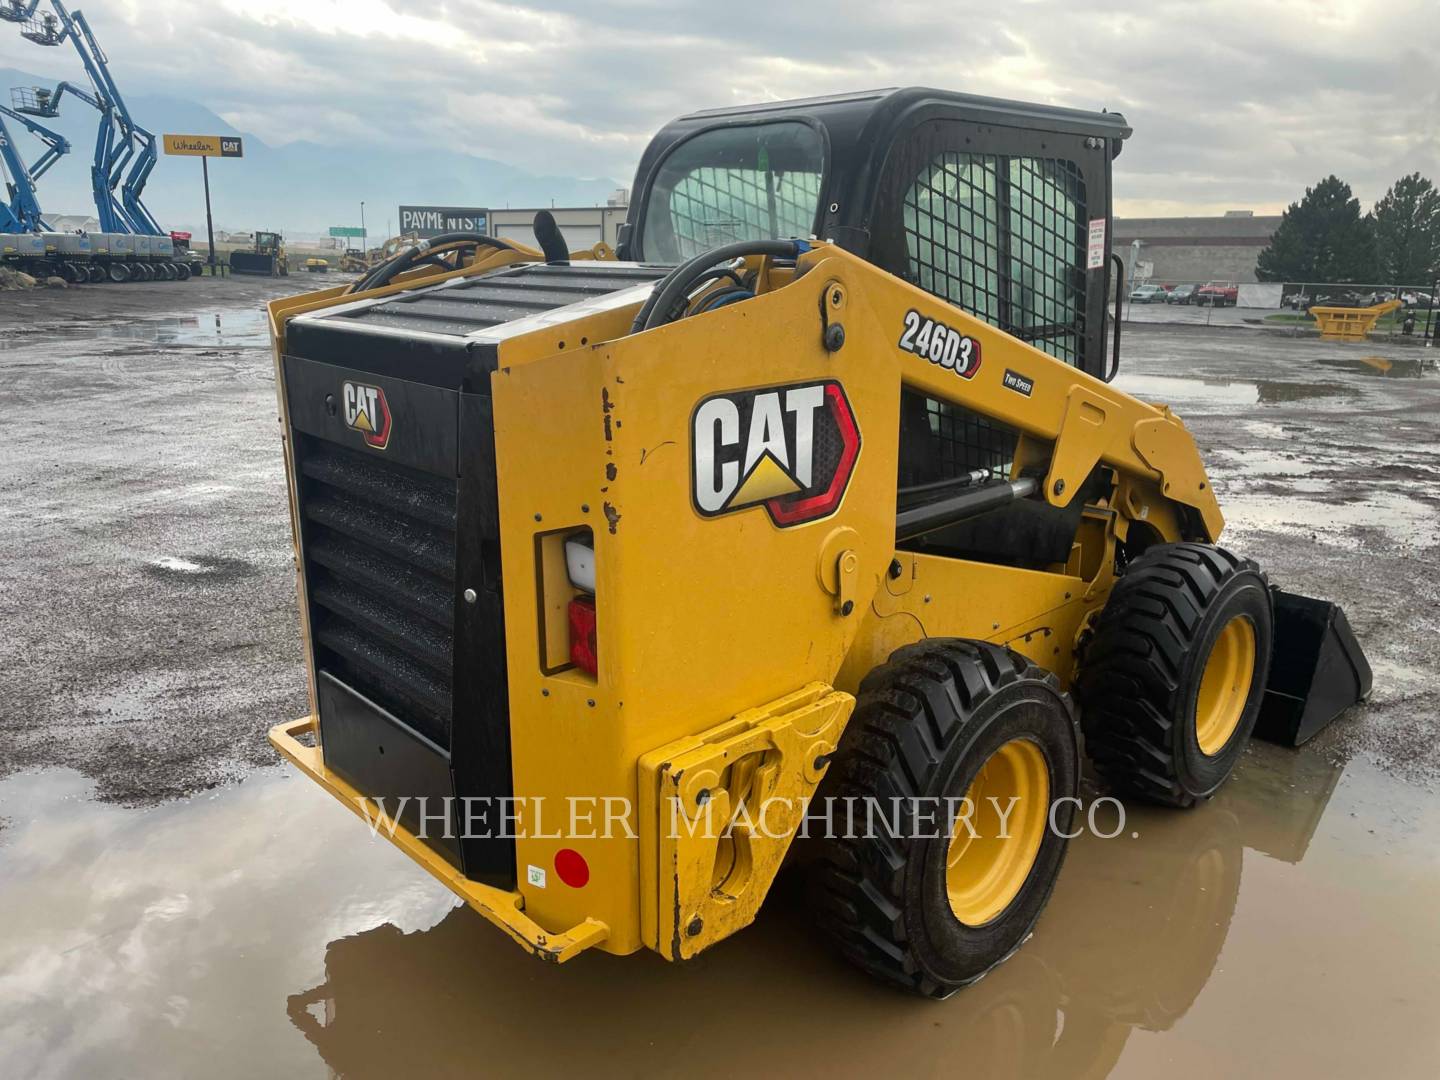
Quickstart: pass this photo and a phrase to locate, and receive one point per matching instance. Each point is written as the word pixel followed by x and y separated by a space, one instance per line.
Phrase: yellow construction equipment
pixel 809 529
pixel 267 256
pixel 1351 323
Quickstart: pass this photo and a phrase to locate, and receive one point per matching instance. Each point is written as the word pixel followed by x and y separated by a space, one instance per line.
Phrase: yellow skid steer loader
pixel 810 521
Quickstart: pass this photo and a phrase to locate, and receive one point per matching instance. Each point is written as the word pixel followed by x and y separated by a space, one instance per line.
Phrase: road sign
pixel 347 231
pixel 204 146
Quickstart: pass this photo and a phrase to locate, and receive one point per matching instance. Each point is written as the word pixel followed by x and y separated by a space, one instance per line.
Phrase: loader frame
pixel 818 604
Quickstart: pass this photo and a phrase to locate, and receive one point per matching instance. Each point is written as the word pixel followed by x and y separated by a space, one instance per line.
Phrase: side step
pixel 1317 669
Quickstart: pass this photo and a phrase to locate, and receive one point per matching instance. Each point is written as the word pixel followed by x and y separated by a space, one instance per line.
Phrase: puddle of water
pixel 1407 367
pixel 1286 927
pixel 1175 389
pixel 1172 389
pixel 179 566
pixel 1399 517
pixel 232 329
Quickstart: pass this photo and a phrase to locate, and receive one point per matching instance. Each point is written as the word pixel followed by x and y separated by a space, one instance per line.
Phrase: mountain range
pixel 299 187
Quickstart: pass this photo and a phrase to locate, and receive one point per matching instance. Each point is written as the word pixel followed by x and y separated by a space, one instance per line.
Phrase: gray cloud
pixel 1234 104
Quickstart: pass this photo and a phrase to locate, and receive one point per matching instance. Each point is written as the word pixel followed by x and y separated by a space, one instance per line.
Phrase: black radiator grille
pixel 380 566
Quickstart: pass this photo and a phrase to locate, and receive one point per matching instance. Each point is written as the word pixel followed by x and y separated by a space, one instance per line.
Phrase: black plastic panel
pixel 424 335
pixel 384 759
pixel 473 304
pixel 424 432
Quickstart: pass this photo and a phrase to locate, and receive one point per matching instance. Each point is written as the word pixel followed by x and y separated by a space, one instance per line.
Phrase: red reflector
pixel 572 868
pixel 582 634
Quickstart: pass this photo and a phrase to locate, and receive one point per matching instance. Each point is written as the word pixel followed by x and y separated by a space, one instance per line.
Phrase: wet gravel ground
pixel 1328 472
pixel 148 629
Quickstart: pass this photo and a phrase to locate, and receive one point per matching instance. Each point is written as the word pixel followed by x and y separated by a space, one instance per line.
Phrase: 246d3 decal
pixel 789 448
pixel 940 344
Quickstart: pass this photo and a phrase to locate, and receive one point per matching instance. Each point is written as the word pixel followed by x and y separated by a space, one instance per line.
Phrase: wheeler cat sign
pixel 205 145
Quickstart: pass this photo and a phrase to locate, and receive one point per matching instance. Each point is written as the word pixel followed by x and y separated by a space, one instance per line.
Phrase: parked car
pixel 1147 294
pixel 1218 294
pixel 1181 294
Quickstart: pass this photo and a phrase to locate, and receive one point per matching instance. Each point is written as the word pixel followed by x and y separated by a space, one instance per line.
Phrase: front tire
pixel 937 905
pixel 1171 680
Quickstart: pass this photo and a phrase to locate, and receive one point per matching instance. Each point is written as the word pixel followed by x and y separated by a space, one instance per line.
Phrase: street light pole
pixel 364 240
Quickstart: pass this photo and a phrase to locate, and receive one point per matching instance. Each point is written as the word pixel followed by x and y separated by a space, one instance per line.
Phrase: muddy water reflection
pixel 1285 928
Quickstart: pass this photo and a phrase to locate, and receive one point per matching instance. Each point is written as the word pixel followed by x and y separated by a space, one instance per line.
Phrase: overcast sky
pixel 1234 104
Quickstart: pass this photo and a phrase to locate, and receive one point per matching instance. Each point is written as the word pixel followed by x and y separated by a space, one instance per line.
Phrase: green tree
pixel 1407 232
pixel 1321 238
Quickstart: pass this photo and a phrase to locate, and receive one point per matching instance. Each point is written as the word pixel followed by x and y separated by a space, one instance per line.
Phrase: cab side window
pixel 1004 238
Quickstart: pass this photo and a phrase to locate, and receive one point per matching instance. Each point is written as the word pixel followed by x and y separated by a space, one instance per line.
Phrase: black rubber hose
pixel 410 257
pixel 713 274
pixel 552 244
pixel 680 280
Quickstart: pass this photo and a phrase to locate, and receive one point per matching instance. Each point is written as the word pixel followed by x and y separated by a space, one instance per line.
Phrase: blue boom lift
pixel 22 212
pixel 125 152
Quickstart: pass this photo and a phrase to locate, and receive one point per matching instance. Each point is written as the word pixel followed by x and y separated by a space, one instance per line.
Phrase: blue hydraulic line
pixel 22 213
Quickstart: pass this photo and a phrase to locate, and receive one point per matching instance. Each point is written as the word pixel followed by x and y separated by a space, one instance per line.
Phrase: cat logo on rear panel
pixel 367 412
pixel 788 448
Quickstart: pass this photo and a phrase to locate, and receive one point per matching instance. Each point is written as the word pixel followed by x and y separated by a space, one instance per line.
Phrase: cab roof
pixel 859 129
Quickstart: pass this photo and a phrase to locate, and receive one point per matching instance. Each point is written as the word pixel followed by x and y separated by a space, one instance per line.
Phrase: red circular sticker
pixel 572 868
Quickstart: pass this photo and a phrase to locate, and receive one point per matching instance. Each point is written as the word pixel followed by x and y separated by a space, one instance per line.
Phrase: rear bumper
pixel 499 906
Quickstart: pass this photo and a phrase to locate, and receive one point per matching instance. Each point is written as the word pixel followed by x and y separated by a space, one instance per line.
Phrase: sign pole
pixel 209 224
pixel 205 147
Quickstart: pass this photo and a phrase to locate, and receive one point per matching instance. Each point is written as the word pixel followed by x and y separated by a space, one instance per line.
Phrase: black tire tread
pixel 1130 673
pixel 909 712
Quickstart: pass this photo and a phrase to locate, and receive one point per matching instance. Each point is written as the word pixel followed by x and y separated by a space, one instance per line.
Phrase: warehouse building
pixel 1179 249
pixel 582 226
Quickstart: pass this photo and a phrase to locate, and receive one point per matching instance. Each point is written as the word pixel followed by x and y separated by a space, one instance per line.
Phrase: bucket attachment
pixel 1317 670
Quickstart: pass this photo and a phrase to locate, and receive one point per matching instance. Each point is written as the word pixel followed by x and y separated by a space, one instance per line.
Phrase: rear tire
pixel 926 723
pixel 119 273
pixel 1171 680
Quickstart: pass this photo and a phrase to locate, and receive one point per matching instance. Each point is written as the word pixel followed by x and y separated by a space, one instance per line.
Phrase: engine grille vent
pixel 380 566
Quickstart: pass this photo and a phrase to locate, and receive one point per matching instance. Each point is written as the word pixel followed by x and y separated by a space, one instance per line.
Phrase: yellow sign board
pixel 204 145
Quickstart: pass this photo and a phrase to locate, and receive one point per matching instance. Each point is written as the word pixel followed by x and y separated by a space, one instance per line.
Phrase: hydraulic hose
pixel 413 256
pixel 655 311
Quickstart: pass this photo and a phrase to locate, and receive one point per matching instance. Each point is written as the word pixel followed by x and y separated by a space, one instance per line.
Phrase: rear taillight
pixel 582 634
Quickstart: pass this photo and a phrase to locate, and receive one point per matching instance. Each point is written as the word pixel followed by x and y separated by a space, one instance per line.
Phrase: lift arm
pixel 124 152
pixel 23 212
pixel 17 11
pixel 134 142
pixel 1069 421
pixel 56 145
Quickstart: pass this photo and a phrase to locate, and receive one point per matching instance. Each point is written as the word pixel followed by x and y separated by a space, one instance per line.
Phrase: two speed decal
pixel 940 344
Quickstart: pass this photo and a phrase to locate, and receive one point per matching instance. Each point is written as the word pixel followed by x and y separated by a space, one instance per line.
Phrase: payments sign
pixel 428 221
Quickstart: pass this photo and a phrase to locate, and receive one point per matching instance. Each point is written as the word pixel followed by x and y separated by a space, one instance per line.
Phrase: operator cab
pixel 1000 207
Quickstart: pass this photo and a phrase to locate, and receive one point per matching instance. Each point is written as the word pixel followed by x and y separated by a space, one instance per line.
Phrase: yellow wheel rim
pixel 1225 685
pixel 997 832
